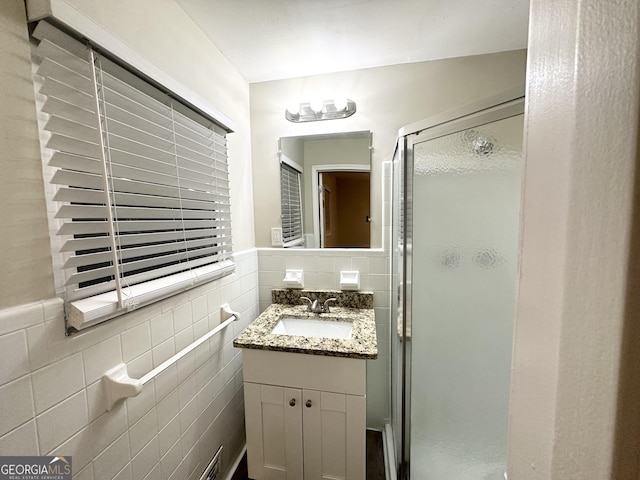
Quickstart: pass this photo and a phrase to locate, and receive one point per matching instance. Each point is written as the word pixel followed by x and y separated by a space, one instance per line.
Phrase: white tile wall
pixel 55 382
pixel 13 356
pixel 62 421
pixel 52 399
pixel 22 440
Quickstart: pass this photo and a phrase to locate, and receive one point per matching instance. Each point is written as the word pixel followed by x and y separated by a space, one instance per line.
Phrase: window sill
pixel 93 310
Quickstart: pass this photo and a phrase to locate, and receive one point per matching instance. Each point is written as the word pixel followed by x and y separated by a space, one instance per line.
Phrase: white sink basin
pixel 309 327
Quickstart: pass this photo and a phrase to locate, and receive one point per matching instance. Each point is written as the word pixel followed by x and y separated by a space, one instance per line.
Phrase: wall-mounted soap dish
pixel 349 280
pixel 293 279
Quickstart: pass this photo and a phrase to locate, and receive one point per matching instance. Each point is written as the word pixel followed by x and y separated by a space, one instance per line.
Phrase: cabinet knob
pixel 308 404
pixel 292 402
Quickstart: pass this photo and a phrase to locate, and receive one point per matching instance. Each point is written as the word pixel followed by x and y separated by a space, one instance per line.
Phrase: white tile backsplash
pixel 168 408
pixel 57 381
pixel 38 345
pixel 182 317
pixel 188 414
pixel 143 431
pixel 161 328
pixel 109 426
pixel 101 357
pixel 124 474
pixel 199 308
pixel 84 474
pixel 187 390
pixel 14 356
pixel 144 461
pixel 135 341
pixel 113 459
pixel 22 316
pixel 186 366
pixel 184 338
pixel 171 459
pixel 79 447
pixel 16 399
pixel 95 400
pixel 138 367
pixel 138 406
pixel 164 351
pixel 59 423
pixel 169 435
pixel 179 472
pixel 166 382
pixel 22 440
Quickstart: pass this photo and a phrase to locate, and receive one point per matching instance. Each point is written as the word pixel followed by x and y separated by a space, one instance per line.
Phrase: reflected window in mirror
pixel 291 203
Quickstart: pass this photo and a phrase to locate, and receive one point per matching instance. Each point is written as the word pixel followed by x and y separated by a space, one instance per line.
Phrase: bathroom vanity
pixel 305 393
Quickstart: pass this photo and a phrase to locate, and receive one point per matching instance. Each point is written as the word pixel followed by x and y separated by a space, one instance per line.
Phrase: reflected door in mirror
pixel 347 226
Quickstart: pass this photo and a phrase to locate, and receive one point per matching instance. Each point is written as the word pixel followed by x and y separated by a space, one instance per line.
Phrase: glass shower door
pixel 461 248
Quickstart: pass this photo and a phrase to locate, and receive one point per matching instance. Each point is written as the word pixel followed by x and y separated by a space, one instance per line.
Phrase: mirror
pixel 325 190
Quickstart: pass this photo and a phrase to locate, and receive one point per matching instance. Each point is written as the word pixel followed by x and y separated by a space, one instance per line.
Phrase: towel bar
pixel 118 384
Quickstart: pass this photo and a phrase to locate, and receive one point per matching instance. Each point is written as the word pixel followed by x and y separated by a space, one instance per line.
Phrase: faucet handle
pixel 325 307
pixel 308 300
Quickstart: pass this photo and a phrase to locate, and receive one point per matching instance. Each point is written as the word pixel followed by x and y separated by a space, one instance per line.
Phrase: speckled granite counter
pixel 348 299
pixel 362 344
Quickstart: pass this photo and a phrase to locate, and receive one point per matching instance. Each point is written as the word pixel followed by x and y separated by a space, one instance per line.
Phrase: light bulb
pixel 340 103
pixel 317 106
pixel 293 108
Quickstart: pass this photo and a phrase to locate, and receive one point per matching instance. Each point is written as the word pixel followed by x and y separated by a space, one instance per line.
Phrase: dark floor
pixel 375 456
pixel 375 459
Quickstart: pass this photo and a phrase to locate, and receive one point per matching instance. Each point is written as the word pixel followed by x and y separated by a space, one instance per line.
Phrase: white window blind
pixel 142 183
pixel 291 202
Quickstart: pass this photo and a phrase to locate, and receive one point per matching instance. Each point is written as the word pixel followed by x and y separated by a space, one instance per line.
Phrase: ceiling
pixel 276 39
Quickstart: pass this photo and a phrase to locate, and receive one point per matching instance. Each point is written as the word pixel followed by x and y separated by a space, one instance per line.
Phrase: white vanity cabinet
pixel 305 416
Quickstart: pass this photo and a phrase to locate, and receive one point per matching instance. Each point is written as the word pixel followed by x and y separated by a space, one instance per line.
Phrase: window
pixel 291 205
pixel 141 182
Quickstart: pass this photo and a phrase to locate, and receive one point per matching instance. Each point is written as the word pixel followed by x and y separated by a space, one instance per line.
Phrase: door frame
pixel 316 170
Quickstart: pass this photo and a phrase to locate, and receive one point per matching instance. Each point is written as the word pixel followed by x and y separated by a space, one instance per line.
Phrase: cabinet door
pixel 334 436
pixel 274 432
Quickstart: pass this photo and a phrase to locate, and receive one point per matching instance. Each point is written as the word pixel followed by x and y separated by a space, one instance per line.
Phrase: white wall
pixel 50 388
pixel 387 98
pixel 25 257
pixel 574 403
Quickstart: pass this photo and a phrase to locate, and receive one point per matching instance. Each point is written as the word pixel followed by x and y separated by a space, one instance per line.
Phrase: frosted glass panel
pixel 466 196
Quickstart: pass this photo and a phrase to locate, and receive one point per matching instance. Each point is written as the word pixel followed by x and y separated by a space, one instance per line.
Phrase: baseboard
pixel 389 453
pixel 236 462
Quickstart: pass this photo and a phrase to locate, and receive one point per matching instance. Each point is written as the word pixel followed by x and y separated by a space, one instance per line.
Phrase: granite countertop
pixel 362 344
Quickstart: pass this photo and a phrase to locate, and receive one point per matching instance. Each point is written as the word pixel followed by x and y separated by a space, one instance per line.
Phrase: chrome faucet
pixel 316 307
pixel 313 304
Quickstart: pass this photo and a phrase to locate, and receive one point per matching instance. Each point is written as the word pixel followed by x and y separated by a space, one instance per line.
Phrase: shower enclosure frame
pixel 501 106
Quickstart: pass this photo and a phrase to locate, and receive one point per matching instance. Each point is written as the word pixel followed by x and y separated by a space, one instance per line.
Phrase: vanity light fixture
pixel 320 110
